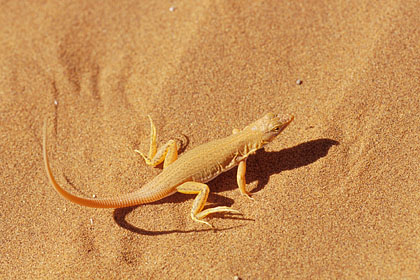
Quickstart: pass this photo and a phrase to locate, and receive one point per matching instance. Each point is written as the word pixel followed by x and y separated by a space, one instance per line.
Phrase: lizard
pixel 189 173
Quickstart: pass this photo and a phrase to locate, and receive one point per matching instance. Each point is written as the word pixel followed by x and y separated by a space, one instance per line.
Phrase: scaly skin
pixel 192 170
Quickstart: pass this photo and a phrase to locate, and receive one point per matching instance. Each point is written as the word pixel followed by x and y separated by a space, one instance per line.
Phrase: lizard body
pixel 192 170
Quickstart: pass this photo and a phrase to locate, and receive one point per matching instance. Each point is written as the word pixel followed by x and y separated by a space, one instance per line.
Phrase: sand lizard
pixel 192 170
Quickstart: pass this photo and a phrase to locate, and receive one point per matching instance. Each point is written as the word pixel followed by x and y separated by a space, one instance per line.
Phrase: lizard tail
pixel 126 200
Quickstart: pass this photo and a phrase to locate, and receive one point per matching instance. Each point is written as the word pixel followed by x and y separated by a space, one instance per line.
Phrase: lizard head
pixel 270 126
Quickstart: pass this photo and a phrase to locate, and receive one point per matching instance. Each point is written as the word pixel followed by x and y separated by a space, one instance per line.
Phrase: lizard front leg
pixel 202 192
pixel 240 178
pixel 167 153
pixel 240 175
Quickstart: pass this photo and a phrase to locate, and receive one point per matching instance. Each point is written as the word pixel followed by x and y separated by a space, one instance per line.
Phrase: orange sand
pixel 337 195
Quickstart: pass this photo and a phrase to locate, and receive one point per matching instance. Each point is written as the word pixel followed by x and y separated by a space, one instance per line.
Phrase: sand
pixel 337 195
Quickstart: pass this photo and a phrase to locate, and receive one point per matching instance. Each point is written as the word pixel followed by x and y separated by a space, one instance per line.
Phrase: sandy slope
pixel 336 196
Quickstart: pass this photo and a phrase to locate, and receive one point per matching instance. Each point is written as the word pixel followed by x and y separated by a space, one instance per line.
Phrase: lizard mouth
pixel 285 121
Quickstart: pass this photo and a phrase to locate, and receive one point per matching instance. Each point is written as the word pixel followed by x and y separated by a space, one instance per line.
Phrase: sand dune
pixel 336 195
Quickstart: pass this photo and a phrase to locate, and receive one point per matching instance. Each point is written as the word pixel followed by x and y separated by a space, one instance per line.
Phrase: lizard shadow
pixel 263 164
pixel 120 215
pixel 259 168
pixel 288 159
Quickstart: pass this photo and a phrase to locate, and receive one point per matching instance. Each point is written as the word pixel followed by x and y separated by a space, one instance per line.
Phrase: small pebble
pixel 299 82
pixel 172 8
pixel 55 102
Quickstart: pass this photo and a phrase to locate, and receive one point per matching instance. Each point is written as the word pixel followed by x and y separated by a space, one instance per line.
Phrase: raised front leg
pixel 167 153
pixel 202 192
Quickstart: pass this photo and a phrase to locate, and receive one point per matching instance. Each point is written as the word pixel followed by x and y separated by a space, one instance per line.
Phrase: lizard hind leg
pixel 167 153
pixel 202 192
